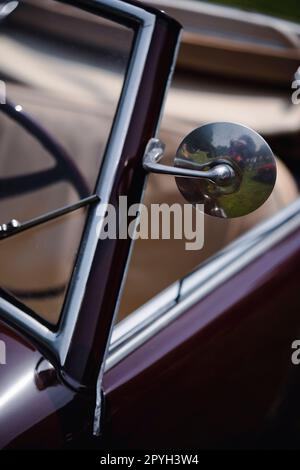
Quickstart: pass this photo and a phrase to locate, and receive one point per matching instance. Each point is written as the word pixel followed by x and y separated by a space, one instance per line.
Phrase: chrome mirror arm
pixel 226 167
pixel 222 173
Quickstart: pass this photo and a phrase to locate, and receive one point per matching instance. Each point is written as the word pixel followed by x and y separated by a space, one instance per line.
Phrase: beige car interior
pixel 70 98
pixel 220 48
pixel 155 264
pixel 73 95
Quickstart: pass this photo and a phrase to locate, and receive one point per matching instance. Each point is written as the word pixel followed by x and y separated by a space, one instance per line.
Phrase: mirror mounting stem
pixel 221 173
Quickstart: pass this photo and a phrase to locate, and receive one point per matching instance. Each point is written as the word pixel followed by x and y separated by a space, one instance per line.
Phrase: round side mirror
pixel 227 144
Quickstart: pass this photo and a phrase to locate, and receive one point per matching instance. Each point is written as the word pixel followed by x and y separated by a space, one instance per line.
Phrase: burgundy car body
pixel 219 375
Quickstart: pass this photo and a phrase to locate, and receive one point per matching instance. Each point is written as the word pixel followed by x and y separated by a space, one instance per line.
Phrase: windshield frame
pixel 55 341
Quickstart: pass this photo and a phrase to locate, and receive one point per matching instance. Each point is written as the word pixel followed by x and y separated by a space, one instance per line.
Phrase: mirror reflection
pixel 241 147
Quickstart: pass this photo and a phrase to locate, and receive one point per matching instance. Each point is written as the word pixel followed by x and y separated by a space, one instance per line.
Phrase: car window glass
pixel 61 76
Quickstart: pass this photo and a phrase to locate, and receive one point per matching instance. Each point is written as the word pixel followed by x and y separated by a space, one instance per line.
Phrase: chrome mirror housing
pixel 227 167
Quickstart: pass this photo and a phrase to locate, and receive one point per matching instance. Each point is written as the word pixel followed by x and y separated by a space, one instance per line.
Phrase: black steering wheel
pixel 64 170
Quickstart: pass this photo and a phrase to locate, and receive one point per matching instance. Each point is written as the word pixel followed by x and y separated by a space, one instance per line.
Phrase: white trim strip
pixel 163 309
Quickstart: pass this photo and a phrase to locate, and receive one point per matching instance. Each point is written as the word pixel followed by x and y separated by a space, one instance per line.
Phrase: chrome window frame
pixel 167 306
pixel 56 342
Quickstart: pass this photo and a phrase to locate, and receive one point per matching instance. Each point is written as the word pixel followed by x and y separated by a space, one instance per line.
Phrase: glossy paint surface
pixel 219 374
pixel 34 415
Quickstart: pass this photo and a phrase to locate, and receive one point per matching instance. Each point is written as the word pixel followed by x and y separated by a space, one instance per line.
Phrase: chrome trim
pixel 98 408
pixel 163 309
pixel 57 342
pixel 108 171
pixel 14 226
pixel 218 173
pixel 139 319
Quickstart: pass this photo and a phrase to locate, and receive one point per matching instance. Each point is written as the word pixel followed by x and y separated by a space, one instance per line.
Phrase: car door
pixel 207 362
pixel 62 348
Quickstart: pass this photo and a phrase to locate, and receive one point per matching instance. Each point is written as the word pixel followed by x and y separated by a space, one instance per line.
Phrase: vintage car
pixel 106 343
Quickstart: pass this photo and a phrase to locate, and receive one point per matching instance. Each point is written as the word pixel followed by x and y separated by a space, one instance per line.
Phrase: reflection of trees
pixel 241 149
pixel 201 141
pixel 222 151
pixel 250 147
pixel 265 154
